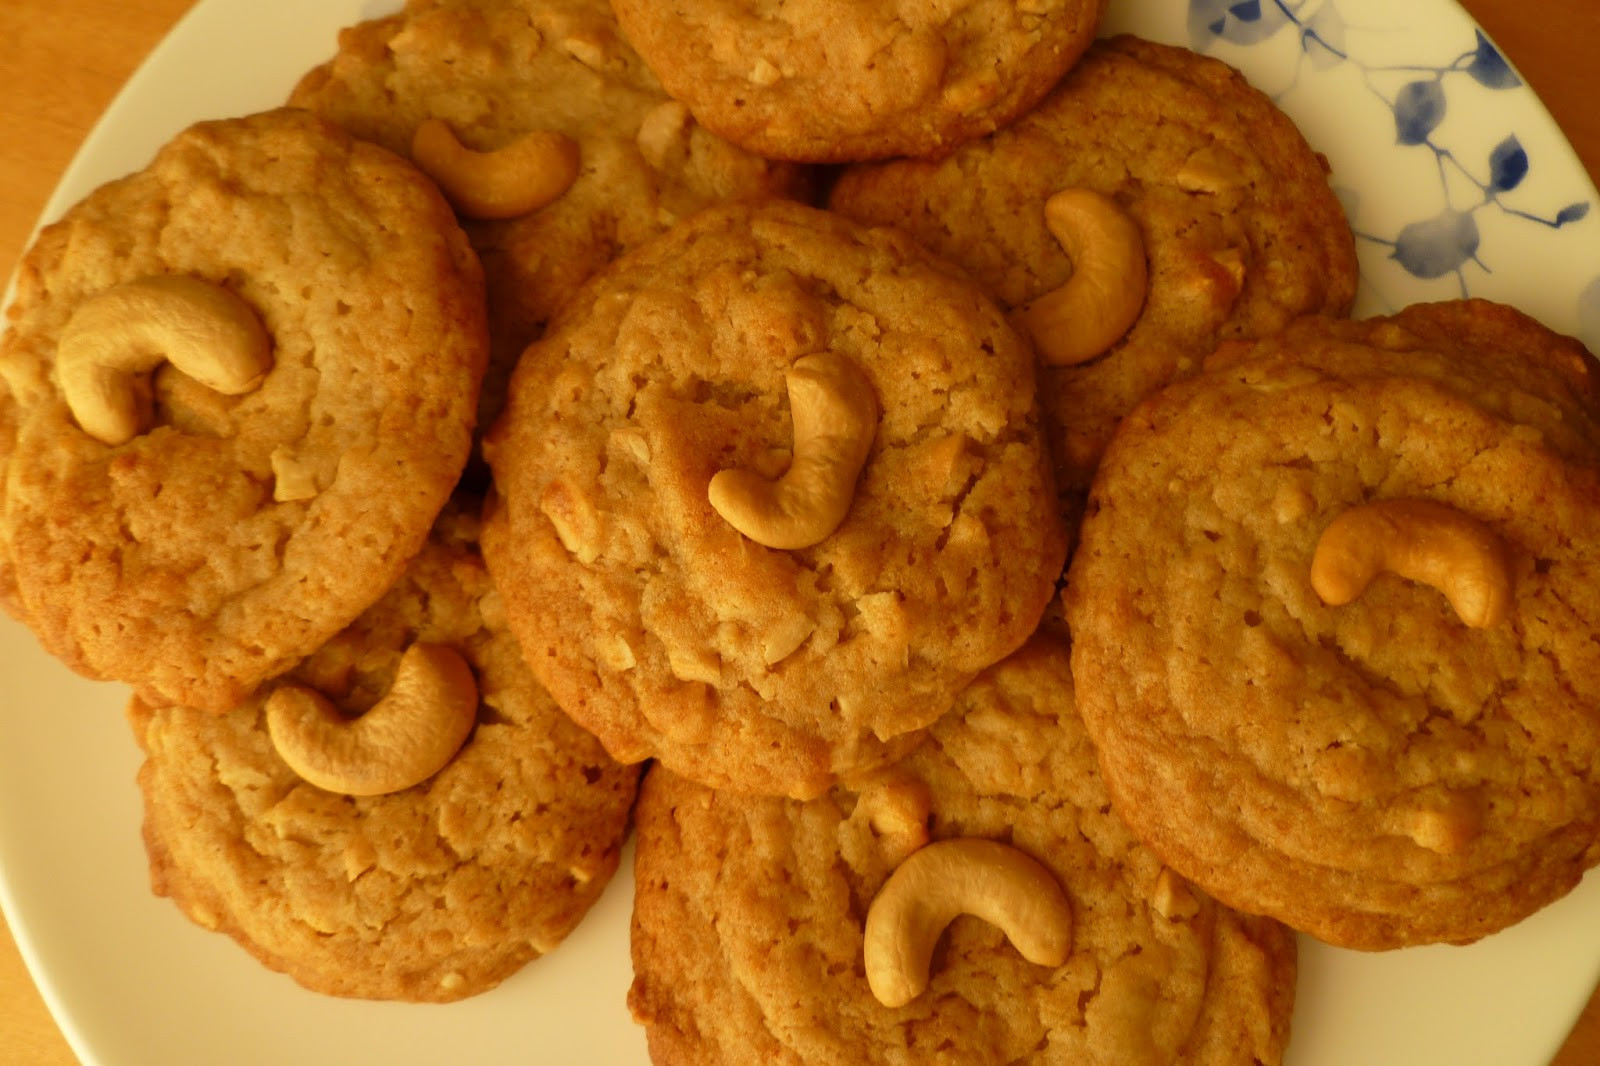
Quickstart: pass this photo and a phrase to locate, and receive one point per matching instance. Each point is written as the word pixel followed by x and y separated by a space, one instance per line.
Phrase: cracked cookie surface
pixel 498 70
pixel 831 81
pixel 240 532
pixel 1378 773
pixel 1241 229
pixel 748 916
pixel 433 893
pixel 667 632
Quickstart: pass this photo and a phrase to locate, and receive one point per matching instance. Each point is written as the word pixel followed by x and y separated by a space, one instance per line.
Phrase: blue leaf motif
pixel 1418 110
pixel 1207 20
pixel 1236 21
pixel 1323 38
pixel 1490 68
pixel 1437 246
pixel 1508 165
pixel 1572 213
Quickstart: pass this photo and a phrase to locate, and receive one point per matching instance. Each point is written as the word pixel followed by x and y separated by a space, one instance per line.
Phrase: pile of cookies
pixel 896 462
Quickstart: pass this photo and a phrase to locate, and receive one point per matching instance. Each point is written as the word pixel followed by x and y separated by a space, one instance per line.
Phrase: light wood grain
pixel 64 60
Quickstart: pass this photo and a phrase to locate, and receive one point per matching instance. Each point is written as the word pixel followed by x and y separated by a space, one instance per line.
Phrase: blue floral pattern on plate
pixel 1445 242
pixel 1455 179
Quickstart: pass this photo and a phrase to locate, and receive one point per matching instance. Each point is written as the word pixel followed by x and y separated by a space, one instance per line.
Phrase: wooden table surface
pixel 64 60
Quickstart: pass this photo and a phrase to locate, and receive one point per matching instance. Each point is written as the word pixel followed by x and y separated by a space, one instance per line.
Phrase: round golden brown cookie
pixel 748 940
pixel 1240 229
pixel 664 629
pixel 432 893
pixel 1412 765
pixel 236 533
pixel 832 81
pixel 498 71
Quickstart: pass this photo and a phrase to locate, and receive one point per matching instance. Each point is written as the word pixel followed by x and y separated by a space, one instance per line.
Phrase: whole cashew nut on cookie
pixel 985 878
pixel 1421 540
pixel 402 740
pixel 116 338
pixel 524 176
pixel 835 417
pixel 1102 299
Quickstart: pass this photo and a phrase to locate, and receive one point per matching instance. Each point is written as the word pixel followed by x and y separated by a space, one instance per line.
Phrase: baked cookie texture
pixel 498 70
pixel 748 914
pixel 241 532
pixel 1241 230
pixel 667 632
pixel 433 893
pixel 833 81
pixel 1391 776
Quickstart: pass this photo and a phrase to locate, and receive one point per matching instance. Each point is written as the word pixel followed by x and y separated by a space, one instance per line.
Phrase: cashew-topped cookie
pixel 769 493
pixel 237 388
pixel 557 145
pixel 1152 205
pixel 831 81
pixel 977 902
pixel 382 852
pixel 1334 614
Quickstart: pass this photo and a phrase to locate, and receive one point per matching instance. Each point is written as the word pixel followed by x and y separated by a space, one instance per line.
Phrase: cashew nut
pixel 1447 828
pixel 1421 540
pixel 1102 299
pixel 1209 170
pixel 835 417
pixel 403 739
pixel 663 133
pixel 115 338
pixel 1172 898
pixel 897 808
pixel 994 881
pixel 524 176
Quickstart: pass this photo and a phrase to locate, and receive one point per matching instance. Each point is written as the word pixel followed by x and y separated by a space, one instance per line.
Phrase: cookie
pixel 434 892
pixel 232 534
pixel 501 71
pixel 1333 614
pixel 661 626
pixel 1235 229
pixel 848 80
pixel 749 940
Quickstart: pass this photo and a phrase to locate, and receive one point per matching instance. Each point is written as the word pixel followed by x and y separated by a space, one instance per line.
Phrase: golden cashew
pixel 524 176
pixel 115 338
pixel 1209 170
pixel 985 878
pixel 1420 540
pixel 292 478
pixel 1102 299
pixel 1448 828
pixel 664 133
pixel 835 417
pixel 897 808
pixel 1172 898
pixel 402 740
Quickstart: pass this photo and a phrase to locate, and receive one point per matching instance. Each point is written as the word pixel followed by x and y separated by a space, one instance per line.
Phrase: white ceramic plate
pixel 1455 177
